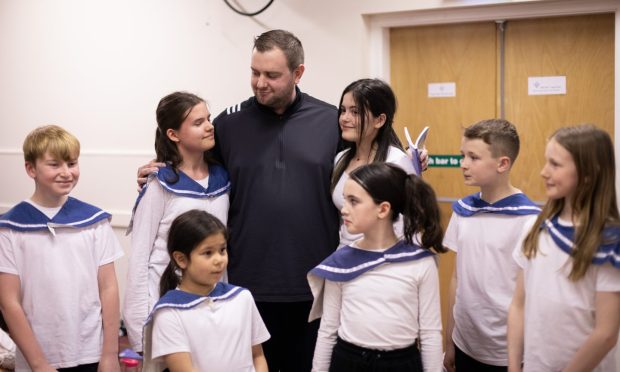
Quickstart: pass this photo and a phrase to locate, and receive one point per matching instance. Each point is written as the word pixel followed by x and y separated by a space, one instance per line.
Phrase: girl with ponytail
pixel 379 296
pixel 190 180
pixel 201 323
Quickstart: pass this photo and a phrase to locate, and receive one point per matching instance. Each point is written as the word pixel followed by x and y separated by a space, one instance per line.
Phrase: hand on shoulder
pixel 145 170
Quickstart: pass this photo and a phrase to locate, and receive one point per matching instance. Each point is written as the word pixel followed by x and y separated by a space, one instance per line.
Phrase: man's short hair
pixel 53 139
pixel 499 134
pixel 288 43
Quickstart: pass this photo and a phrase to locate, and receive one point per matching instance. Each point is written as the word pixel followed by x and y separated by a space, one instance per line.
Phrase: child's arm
pixel 179 362
pixel 515 326
pixel 19 327
pixel 603 337
pixel 260 334
pixel 429 317
pixel 258 358
pixel 108 295
pixel 451 241
pixel 146 220
pixel 330 322
pixel 448 360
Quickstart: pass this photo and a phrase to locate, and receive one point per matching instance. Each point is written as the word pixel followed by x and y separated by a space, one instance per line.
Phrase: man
pixel 279 147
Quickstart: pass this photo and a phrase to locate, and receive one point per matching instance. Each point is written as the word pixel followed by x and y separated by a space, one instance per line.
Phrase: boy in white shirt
pixel 482 231
pixel 58 289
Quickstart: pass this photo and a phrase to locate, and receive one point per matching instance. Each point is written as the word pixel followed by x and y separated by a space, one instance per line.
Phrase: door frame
pixel 378 33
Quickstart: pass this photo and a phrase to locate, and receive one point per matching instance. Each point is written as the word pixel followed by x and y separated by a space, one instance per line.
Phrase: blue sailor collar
pixel 563 237
pixel 184 300
pixel 515 204
pixel 180 300
pixel 347 263
pixel 219 182
pixel 74 213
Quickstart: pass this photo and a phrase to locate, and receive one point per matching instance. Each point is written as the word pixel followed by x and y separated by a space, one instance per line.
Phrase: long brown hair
pixel 172 110
pixel 371 96
pixel 594 204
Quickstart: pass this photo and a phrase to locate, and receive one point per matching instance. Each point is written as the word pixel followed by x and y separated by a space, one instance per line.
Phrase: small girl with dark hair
pixel 190 180
pixel 379 296
pixel 565 312
pixel 201 323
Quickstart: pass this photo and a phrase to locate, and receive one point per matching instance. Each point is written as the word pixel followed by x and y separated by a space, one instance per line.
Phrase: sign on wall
pixel 438 90
pixel 546 85
pixel 445 161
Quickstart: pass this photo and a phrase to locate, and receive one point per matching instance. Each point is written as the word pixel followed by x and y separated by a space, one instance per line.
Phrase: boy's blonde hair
pixel 53 139
pixel 499 134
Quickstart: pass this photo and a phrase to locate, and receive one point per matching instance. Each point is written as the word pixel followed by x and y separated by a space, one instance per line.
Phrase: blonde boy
pixel 58 290
pixel 482 231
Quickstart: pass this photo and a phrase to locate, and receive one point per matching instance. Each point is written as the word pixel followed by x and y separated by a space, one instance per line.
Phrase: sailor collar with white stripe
pixel 182 300
pixel 219 182
pixel 74 213
pixel 347 263
pixel 563 237
pixel 516 204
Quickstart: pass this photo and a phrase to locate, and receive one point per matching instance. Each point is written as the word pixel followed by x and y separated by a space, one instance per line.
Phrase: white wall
pixel 98 68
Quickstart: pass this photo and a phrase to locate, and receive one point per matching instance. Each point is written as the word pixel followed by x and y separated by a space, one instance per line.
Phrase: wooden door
pixel 580 48
pixel 466 55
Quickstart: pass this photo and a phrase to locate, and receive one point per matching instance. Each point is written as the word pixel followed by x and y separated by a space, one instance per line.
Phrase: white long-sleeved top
pixel 149 255
pixel 386 308
pixel 395 156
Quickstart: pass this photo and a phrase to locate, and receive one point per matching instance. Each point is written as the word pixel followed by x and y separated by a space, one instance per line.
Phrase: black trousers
pixel 291 346
pixel 81 368
pixel 465 363
pixel 347 357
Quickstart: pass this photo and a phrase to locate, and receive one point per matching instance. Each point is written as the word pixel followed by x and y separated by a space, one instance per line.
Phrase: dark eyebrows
pixel 351 197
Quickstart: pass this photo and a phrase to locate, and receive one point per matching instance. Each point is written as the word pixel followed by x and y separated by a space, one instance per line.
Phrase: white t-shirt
pixel 486 277
pixel 219 335
pixel 149 253
pixel 386 308
pixel 559 313
pixel 59 288
pixel 395 156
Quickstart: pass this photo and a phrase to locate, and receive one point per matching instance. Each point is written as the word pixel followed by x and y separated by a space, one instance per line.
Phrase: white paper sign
pixel 546 85
pixel 441 90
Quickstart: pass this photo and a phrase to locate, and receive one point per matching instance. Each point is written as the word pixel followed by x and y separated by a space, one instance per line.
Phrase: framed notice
pixel 438 90
pixel 546 85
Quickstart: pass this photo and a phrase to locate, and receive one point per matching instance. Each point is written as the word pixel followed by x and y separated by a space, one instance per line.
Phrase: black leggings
pixel 465 363
pixel 81 368
pixel 348 357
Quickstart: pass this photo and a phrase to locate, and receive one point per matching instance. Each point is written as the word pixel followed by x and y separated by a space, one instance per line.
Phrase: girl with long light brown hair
pixel 565 313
